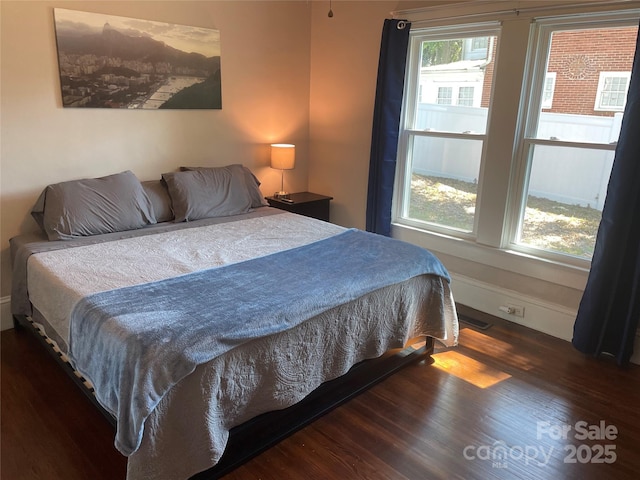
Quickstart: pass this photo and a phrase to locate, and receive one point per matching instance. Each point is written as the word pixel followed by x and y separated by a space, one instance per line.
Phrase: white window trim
pixel 603 76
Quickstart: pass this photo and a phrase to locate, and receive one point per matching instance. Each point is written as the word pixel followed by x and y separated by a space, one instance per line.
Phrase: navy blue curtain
pixel 610 307
pixel 386 124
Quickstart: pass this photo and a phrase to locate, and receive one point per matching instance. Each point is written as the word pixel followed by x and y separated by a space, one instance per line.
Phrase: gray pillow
pixel 208 192
pixel 157 192
pixel 93 206
pixel 253 184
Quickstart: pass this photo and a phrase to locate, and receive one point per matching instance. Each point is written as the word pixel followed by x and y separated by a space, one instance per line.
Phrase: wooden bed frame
pixel 260 433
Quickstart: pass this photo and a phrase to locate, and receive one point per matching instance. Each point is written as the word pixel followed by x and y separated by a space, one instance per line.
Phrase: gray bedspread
pixel 135 343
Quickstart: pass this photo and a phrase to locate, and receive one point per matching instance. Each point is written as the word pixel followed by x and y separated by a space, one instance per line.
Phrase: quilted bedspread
pixel 136 342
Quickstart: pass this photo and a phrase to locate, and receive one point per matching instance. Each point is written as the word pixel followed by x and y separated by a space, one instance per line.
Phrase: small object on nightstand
pixel 303 203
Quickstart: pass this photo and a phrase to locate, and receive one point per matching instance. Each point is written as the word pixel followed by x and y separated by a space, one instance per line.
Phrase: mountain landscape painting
pixel 108 61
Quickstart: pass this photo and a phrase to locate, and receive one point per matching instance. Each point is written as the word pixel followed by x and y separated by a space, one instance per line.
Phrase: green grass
pixel 549 225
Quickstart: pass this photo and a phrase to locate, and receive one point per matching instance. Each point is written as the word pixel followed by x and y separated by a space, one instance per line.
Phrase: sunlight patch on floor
pixel 496 348
pixel 468 369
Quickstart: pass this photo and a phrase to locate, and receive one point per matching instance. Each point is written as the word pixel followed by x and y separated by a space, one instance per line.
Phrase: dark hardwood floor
pixel 495 407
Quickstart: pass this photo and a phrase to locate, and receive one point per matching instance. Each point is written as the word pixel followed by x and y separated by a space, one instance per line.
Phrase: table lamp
pixel 283 157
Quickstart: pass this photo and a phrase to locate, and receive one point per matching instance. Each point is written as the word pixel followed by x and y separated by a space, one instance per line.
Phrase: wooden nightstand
pixel 304 203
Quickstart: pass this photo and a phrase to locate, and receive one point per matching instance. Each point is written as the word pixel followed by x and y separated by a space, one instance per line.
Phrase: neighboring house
pixel 461 82
pixel 583 98
pixel 576 83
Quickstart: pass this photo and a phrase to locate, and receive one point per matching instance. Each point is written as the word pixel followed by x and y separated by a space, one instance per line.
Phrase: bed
pixel 191 309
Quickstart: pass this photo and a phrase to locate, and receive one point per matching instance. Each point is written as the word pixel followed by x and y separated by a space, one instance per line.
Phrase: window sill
pixel 524 264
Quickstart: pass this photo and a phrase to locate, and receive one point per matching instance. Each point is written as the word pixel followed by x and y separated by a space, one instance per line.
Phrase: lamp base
pixel 281 194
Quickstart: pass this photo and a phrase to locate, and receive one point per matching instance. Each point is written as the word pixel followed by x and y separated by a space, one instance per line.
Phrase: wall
pixel 265 95
pixel 344 65
pixel 344 68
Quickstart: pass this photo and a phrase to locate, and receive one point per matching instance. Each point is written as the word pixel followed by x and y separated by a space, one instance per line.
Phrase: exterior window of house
pixel 442 142
pixel 524 168
pixel 567 151
pixel 475 48
pixel 445 95
pixel 479 42
pixel 465 96
pixel 548 89
pixel 612 91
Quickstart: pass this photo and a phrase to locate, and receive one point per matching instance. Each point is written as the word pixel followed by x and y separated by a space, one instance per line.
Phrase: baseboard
pixel 6 319
pixel 547 317
pixel 553 319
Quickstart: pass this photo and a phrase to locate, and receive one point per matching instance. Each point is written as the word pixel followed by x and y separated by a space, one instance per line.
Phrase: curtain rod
pixel 511 11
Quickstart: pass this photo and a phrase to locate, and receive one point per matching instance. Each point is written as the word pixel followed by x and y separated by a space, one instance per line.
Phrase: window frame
pixel 530 111
pixel 409 111
pixel 601 84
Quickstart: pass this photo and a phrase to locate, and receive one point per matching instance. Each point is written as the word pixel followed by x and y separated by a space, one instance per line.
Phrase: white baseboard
pixel 6 319
pixel 553 319
pixel 550 318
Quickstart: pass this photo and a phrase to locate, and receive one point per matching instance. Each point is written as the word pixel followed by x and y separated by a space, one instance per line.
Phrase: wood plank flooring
pixel 495 407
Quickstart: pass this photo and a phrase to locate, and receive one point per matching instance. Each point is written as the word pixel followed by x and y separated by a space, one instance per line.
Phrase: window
pixel 568 151
pixel 465 96
pixel 443 141
pixel 476 48
pixel 523 167
pixel 612 91
pixel 479 42
pixel 444 95
pixel 548 89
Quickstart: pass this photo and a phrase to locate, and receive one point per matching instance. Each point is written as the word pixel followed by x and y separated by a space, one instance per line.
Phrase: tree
pixel 441 52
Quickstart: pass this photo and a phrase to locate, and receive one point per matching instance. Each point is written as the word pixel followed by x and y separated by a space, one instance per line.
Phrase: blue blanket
pixel 135 343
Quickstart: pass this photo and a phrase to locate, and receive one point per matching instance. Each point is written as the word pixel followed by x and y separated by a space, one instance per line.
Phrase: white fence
pixel 576 176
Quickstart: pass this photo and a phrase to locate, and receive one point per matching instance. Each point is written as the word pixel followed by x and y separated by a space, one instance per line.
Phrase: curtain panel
pixel 386 124
pixel 609 311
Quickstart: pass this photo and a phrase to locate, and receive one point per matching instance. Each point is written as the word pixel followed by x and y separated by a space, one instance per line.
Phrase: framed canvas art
pixel 108 61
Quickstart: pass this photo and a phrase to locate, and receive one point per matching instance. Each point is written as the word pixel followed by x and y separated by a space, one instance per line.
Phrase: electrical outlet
pixel 511 309
pixel 517 310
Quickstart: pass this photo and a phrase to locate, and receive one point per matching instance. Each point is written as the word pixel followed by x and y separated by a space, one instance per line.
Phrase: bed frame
pixel 261 433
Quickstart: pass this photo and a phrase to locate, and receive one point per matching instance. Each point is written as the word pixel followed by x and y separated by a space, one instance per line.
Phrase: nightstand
pixel 304 203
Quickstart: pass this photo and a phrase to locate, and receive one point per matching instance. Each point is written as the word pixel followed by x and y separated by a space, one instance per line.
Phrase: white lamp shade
pixel 283 156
